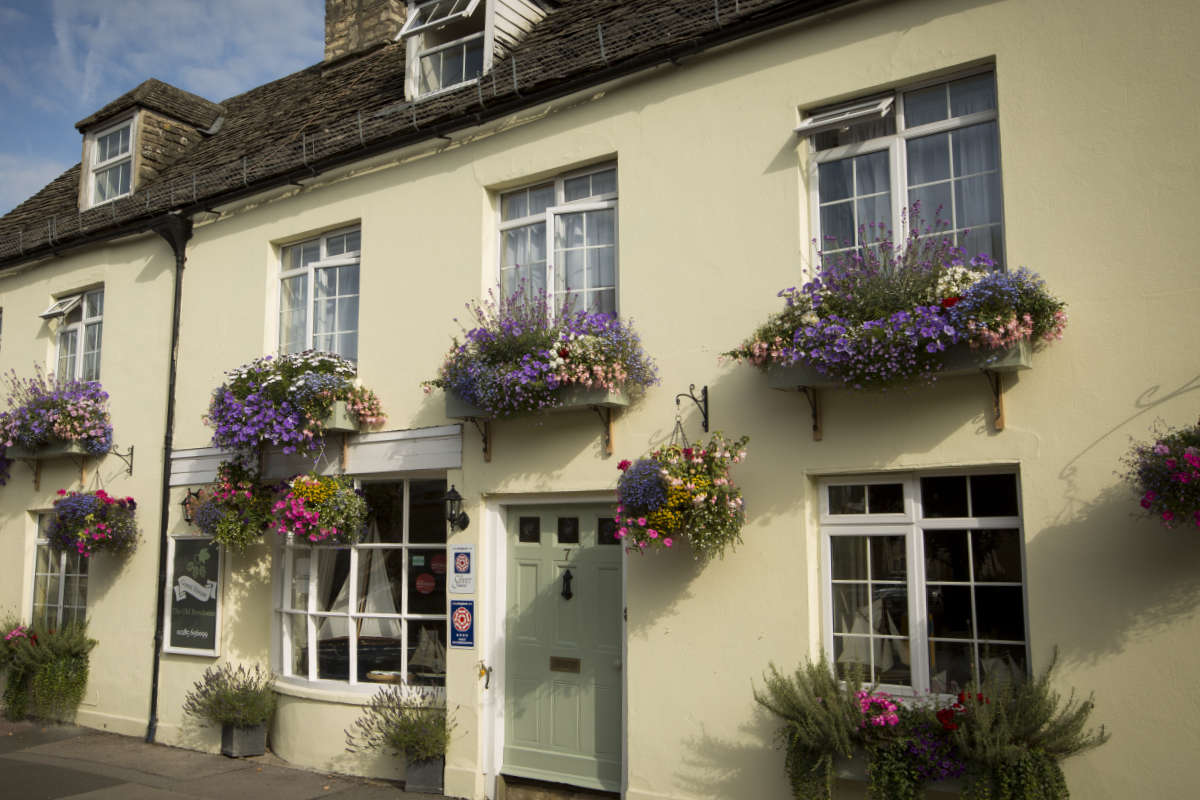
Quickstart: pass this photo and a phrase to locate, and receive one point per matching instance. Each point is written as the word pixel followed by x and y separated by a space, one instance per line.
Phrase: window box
pixel 339 419
pixel 575 398
pixel 50 450
pixel 960 359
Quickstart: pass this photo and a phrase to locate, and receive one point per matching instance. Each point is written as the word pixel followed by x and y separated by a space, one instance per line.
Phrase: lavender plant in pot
pixel 241 701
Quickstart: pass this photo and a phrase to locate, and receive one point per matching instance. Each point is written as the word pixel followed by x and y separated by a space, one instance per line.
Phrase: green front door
pixel 562 714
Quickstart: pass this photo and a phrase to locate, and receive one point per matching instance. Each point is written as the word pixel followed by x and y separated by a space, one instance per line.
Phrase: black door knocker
pixel 566 590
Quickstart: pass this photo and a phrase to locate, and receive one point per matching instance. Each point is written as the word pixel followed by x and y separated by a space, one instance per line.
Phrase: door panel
pixel 564 657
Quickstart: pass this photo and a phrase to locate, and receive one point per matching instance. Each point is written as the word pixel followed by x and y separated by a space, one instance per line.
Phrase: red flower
pixel 687 452
pixel 563 352
pixel 624 464
pixel 946 717
pixel 950 302
pixel 62 492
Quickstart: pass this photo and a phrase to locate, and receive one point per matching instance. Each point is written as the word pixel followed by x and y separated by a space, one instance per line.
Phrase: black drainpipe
pixel 176 230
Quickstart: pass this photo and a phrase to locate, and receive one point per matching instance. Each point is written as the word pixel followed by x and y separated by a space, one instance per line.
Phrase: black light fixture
pixel 187 504
pixel 457 518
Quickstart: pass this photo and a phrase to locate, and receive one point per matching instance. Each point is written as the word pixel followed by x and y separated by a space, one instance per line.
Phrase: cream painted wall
pixel 1097 119
pixel 137 278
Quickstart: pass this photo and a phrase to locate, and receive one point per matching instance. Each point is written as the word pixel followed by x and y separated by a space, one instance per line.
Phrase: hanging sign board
pixel 193 601
pixel 462 623
pixel 462 569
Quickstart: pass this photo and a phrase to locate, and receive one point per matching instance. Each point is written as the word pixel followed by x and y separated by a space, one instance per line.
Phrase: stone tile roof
pixel 162 97
pixel 322 117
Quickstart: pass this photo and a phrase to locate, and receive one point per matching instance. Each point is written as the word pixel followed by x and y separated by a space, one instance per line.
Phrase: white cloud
pixel 215 48
pixel 21 177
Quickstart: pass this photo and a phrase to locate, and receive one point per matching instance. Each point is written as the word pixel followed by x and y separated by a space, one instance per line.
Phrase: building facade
pixel 699 154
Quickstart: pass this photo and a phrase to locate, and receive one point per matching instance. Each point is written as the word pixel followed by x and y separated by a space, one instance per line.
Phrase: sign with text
pixel 462 623
pixel 462 569
pixel 193 601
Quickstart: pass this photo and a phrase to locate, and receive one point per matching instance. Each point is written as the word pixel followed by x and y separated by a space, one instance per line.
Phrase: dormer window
pixel 446 43
pixel 111 163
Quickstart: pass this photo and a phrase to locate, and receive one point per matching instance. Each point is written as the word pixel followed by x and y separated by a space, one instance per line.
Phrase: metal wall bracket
pixel 814 403
pixel 996 387
pixel 606 427
pixel 701 403
pixel 484 426
pixel 126 457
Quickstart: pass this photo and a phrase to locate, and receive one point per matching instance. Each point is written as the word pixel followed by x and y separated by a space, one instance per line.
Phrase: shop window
pixel 60 584
pixel 374 612
pixel 934 144
pixel 925 581
pixel 560 237
pixel 79 334
pixel 318 294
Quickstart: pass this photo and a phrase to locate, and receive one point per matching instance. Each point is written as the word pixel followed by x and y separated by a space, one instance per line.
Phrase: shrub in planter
pixel 42 411
pixel 885 314
pixel 239 700
pixel 1004 739
pixel 403 721
pixel 1167 475
pixel 46 671
pixel 320 508
pixel 679 491
pixel 520 358
pixel 238 508
pixel 284 401
pixel 89 522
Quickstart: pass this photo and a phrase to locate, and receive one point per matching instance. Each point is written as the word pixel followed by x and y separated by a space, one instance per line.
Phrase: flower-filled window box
pixel 291 401
pixel 521 359
pixel 47 418
pixel 886 315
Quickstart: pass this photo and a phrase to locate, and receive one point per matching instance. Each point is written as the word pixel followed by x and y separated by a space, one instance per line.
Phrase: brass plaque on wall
pixel 559 664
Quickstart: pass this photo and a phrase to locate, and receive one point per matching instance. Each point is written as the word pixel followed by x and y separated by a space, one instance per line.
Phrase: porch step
pixel 525 789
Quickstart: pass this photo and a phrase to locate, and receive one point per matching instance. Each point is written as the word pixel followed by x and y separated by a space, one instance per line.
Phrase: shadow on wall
pixel 1131 576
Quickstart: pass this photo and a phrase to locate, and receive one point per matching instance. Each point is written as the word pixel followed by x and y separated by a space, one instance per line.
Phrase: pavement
pixel 39 761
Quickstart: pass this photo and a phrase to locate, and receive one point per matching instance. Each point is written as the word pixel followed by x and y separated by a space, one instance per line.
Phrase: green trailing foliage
pixel 820 722
pixel 236 696
pixel 46 672
pixel 1013 745
pixel 405 721
pixel 1004 739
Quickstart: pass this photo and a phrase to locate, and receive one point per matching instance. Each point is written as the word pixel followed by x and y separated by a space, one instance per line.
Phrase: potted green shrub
pixel 46 671
pixel 241 701
pixel 409 722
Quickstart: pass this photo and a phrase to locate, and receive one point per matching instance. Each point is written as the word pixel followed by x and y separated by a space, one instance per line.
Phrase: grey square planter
pixel 425 776
pixel 56 449
pixel 242 742
pixel 572 399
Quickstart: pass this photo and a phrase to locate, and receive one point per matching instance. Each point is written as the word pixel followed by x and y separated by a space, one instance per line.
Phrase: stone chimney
pixel 352 26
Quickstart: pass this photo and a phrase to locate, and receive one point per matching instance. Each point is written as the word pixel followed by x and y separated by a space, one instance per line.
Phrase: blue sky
pixel 61 60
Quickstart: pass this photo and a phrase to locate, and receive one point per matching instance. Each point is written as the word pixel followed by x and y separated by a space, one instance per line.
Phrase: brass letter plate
pixel 559 664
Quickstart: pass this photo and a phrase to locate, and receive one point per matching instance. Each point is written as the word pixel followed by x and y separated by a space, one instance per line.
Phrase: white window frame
pixel 77 329
pixel 411 28
pixel 437 49
pixel 910 525
pixel 561 206
pixel 96 166
pixel 282 615
pixel 894 144
pixel 40 540
pixel 350 258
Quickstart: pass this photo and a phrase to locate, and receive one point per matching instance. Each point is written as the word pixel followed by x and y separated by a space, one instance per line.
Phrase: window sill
pixel 444 90
pixel 330 691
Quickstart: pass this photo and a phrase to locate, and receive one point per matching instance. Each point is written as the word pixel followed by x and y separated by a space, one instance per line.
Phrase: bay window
pixel 373 612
